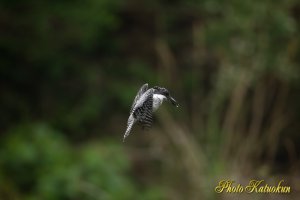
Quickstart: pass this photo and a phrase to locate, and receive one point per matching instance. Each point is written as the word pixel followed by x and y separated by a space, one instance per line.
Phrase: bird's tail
pixel 130 123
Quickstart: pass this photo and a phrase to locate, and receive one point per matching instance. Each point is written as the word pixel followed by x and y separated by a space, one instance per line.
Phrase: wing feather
pixel 143 109
pixel 141 91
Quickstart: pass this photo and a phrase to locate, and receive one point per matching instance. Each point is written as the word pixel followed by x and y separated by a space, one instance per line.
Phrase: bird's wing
pixel 142 111
pixel 142 90
pixel 130 123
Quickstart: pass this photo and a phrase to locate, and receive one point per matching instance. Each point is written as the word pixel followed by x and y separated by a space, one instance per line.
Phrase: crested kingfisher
pixel 145 103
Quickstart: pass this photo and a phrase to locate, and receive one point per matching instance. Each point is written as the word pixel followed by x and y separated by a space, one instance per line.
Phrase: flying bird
pixel 145 103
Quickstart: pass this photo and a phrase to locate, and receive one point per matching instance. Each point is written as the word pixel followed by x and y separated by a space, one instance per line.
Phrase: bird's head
pixel 166 93
pixel 161 90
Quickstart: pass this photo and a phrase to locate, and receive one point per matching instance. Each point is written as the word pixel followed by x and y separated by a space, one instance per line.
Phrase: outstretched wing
pixel 142 111
pixel 130 123
pixel 142 90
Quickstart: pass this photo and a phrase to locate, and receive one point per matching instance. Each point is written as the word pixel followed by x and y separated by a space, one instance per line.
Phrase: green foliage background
pixel 69 71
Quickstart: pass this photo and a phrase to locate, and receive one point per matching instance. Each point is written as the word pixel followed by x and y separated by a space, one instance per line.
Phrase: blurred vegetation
pixel 38 163
pixel 69 71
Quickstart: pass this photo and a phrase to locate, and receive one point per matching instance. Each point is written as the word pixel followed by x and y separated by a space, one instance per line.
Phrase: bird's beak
pixel 173 101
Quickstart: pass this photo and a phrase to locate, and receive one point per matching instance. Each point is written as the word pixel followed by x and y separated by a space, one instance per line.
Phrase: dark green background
pixel 69 71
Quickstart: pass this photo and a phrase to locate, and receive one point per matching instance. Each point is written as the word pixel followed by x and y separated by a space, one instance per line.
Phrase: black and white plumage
pixel 145 103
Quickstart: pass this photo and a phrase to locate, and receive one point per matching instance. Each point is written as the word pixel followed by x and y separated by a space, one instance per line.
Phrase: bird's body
pixel 157 101
pixel 146 102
